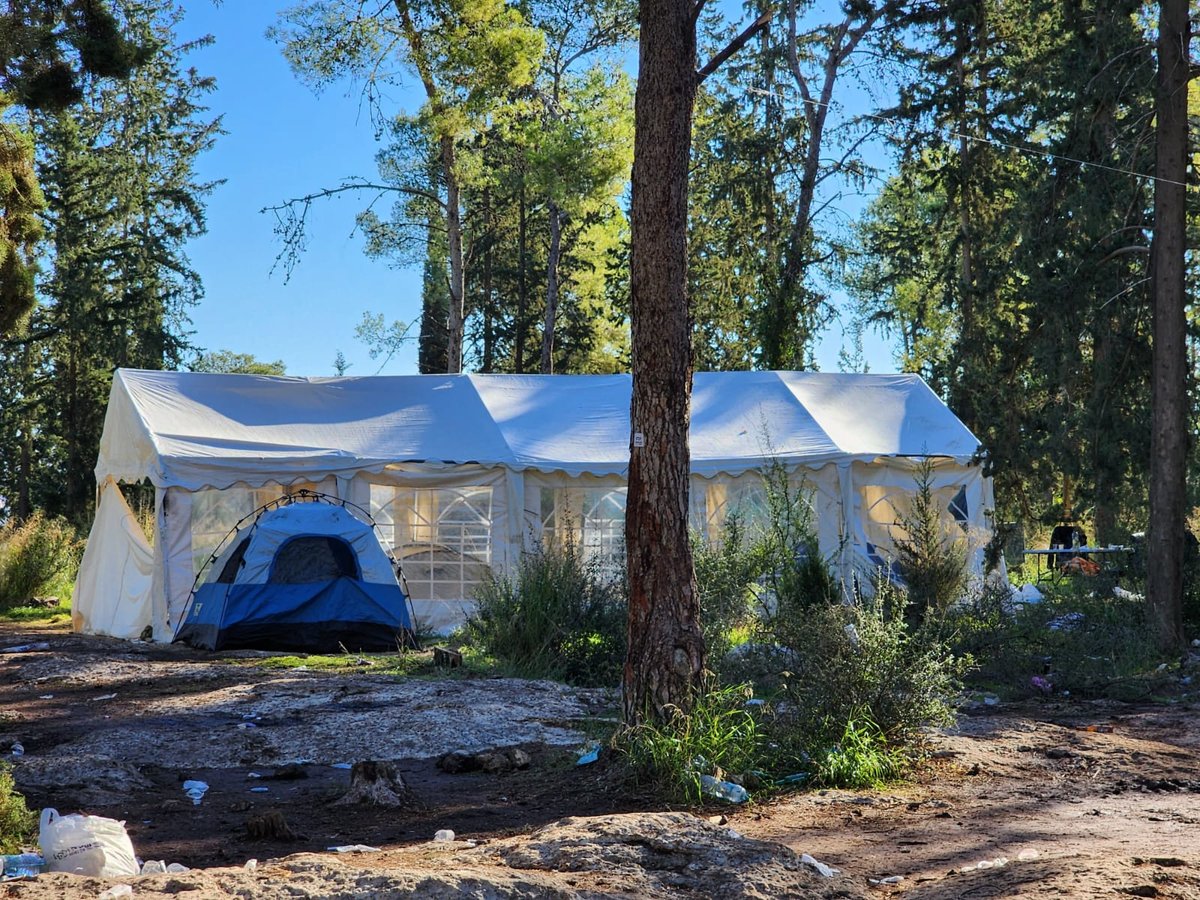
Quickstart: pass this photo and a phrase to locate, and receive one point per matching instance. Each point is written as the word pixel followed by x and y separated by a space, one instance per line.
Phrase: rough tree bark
pixel 666 651
pixel 1168 442
pixel 553 258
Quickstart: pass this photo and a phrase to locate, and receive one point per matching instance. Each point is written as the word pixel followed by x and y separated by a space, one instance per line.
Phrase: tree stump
pixel 378 784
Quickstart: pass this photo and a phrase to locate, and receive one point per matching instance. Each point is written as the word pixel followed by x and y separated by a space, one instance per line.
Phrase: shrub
pixel 16 820
pixel 725 573
pixel 1080 638
pixel 556 616
pixel 35 555
pixel 797 576
pixel 859 661
pixel 932 562
pixel 721 737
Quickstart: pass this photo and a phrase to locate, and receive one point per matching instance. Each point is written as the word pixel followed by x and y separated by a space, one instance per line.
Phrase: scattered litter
pixel 1028 594
pixel 718 820
pixel 117 890
pixel 86 845
pixel 45 696
pixel 756 701
pixel 723 790
pixel 250 716
pixel 18 749
pixel 251 865
pixel 342 766
pixel 153 867
pixel 22 865
pixel 890 879
pixel 1099 729
pixel 443 835
pixel 253 775
pixel 1065 622
pixel 259 790
pixel 820 867
pixel 245 725
pixel 355 848
pixel 176 868
pixel 1042 684
pixel 589 754
pixel 996 863
pixel 991 700
pixel 1121 594
pixel 195 790
pixel 26 648
pixel 851 633
pixel 103 697
pixel 1027 854
pixel 797 778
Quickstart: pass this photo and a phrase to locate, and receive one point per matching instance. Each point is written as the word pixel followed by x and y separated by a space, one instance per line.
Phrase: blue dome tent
pixel 300 573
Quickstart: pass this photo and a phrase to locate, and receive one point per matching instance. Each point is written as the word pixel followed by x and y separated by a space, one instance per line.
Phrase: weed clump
pixel 36 554
pixel 556 616
pixel 16 819
pixel 721 737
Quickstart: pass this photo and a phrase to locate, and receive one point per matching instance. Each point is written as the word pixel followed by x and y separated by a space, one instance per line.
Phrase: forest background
pixel 1004 148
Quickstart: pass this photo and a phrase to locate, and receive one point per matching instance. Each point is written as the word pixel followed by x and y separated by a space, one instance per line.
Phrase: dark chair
pixel 1064 536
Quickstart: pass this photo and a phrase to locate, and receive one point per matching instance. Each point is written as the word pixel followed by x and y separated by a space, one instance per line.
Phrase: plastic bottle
pixel 24 865
pixel 723 790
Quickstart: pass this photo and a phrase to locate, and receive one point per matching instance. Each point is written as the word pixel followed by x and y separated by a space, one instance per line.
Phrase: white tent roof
pixel 195 430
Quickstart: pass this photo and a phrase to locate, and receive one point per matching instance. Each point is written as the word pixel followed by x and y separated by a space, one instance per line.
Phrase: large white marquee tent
pixel 462 472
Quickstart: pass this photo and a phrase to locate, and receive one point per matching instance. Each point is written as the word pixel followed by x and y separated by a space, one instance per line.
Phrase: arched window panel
pixel 591 518
pixel 441 536
pixel 885 509
pixel 215 511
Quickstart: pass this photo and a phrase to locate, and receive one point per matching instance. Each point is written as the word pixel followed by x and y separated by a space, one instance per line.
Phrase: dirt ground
pixel 1051 799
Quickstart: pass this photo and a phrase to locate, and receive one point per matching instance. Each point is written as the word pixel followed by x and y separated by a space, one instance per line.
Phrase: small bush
pixel 16 820
pixel 862 758
pixel 725 573
pixel 932 562
pixel 864 661
pixel 796 575
pixel 556 617
pixel 1080 638
pixel 35 555
pixel 721 737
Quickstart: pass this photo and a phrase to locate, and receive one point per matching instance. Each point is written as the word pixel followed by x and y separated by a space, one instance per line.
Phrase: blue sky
pixel 283 141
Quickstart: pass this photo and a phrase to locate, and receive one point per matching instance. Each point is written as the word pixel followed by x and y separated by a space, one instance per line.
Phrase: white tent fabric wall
pixel 463 471
pixel 113 589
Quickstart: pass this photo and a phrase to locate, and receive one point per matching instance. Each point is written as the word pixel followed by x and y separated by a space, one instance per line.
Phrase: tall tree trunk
pixel 666 652
pixel 458 277
pixel 522 283
pixel 547 367
pixel 1168 439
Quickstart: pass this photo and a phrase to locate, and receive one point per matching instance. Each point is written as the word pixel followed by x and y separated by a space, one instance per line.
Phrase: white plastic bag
pixel 86 845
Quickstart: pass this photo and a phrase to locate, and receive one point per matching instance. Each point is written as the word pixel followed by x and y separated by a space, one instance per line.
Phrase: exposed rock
pixel 669 853
pixel 458 761
pixel 657 856
pixel 495 762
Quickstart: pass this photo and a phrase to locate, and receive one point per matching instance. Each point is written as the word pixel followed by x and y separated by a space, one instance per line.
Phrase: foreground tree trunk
pixel 666 652
pixel 1168 443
